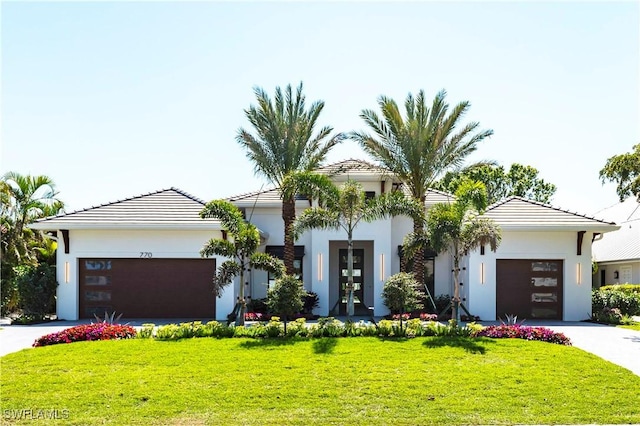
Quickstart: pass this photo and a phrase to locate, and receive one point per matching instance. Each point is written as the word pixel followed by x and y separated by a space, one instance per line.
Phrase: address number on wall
pixel 146 255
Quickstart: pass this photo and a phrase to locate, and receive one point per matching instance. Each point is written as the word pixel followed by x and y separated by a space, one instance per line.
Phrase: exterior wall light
pixel 319 266
pixel 67 272
pixel 579 273
pixel 482 276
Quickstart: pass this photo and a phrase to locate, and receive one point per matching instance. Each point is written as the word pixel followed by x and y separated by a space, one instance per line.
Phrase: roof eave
pixel 591 228
pixel 54 226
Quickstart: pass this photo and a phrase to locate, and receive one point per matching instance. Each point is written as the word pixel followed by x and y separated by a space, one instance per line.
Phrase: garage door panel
pixel 529 288
pixel 147 288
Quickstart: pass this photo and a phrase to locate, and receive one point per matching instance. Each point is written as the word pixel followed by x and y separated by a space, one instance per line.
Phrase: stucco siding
pixel 535 245
pixel 170 244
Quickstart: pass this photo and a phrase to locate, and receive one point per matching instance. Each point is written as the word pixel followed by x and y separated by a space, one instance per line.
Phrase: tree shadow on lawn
pixel 268 341
pixel 324 345
pixel 475 345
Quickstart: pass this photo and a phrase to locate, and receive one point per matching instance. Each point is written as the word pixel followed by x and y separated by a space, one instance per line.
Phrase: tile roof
pixel 352 167
pixel 167 208
pixel 623 244
pixel 516 213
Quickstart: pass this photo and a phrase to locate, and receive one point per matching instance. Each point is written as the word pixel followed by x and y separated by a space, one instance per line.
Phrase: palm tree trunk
pixel 455 302
pixel 418 258
pixel 288 216
pixel 241 300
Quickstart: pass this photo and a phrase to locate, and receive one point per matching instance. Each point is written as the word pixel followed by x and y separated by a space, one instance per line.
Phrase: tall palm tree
pixel 344 208
pixel 458 228
pixel 239 247
pixel 284 142
pixel 420 147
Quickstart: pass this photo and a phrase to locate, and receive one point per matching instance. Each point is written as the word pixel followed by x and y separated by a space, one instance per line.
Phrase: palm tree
pixel 459 228
pixel 25 198
pixel 285 143
pixel 240 249
pixel 420 147
pixel 344 208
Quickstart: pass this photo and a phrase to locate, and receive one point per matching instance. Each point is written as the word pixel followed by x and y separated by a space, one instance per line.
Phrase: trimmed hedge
pixel 625 288
pixel 331 327
pixel 625 298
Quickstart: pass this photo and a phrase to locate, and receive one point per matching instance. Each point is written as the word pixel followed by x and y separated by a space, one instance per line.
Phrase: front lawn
pixel 634 326
pixel 350 381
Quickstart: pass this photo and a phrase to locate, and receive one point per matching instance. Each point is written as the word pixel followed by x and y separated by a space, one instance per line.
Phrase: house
pixel 140 256
pixel 618 255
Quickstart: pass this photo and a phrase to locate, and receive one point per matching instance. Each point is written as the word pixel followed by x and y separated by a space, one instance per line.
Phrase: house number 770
pixel 146 255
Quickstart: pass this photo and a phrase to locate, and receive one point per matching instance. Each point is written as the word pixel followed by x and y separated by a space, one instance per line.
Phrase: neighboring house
pixel 140 256
pixel 618 255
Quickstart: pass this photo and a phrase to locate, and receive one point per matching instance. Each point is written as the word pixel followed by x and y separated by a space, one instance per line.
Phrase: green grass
pixel 350 381
pixel 634 326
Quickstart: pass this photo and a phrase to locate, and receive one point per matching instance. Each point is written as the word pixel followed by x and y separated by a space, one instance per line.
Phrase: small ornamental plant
pixel 542 334
pixel 404 316
pixel 254 316
pixel 428 317
pixel 79 333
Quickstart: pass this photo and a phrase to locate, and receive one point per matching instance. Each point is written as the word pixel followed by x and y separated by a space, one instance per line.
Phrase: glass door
pixel 358 281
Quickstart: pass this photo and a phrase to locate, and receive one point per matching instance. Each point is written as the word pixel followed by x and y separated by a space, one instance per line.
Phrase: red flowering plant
pixel 404 316
pixel 253 316
pixel 99 331
pixel 428 317
pixel 518 331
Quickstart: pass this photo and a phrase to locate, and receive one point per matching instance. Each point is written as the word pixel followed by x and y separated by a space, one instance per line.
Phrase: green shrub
pixel 146 332
pixel 36 287
pixel 625 298
pixel 297 328
pixel 401 293
pixel 8 295
pixel 310 301
pixel 327 327
pixel 273 328
pixel 442 301
pixel 625 288
pixel 258 306
pixel 285 297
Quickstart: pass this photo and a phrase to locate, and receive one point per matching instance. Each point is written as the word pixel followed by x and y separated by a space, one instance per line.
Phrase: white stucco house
pixel 140 256
pixel 618 255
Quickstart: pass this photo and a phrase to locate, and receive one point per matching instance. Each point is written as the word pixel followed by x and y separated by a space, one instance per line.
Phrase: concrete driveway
pixel 617 345
pixel 14 338
pixel 620 346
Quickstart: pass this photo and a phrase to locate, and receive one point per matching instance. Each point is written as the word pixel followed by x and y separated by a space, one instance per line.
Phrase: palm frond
pixel 228 214
pixel 316 218
pixel 218 247
pixel 224 276
pixel 266 262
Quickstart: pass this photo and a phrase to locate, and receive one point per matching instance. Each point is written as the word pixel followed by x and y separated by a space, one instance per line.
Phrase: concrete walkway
pixel 618 345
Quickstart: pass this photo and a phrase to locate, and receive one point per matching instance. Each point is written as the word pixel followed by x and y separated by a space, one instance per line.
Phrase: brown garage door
pixel 147 288
pixel 529 288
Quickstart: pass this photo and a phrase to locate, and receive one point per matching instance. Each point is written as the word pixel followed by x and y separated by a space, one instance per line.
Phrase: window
pixel 278 251
pixel 369 195
pixel 429 267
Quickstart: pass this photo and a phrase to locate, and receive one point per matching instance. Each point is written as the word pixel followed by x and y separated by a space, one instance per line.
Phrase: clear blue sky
pixel 115 99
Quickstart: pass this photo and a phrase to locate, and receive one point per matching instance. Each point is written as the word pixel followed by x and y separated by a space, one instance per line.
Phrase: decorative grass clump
pixel 518 331
pixel 79 333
